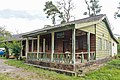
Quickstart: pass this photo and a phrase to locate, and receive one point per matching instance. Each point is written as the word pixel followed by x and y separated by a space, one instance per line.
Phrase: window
pixel 110 45
pixel 105 44
pixel 113 44
pixel 99 44
pixel 60 35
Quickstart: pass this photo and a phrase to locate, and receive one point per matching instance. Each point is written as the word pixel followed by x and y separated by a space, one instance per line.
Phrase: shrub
pixel 16 48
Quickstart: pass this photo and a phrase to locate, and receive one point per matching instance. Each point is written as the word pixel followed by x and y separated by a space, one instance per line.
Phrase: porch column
pixel 32 44
pixel 38 45
pixel 88 44
pixel 21 48
pixel 52 46
pixel 27 47
pixel 44 45
pixel 73 46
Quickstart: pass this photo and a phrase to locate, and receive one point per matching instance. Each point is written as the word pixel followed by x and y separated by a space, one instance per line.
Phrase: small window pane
pixel 99 44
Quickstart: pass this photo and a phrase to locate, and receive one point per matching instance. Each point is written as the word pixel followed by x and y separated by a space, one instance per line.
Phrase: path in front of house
pixel 17 73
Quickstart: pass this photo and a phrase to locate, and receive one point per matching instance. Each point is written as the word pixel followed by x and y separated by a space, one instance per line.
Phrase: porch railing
pixel 44 56
pixel 41 56
pixel 31 55
pixel 60 57
pixel 82 56
pixel 57 57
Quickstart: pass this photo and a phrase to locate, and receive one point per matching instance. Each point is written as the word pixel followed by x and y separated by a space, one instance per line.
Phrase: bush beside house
pixel 14 48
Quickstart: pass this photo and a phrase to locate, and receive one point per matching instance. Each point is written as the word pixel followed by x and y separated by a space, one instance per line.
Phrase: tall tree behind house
pixel 4 34
pixel 65 7
pixel 51 10
pixel 93 7
pixel 62 10
pixel 117 14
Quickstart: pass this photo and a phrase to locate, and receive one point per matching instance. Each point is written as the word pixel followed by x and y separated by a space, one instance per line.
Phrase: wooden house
pixel 65 45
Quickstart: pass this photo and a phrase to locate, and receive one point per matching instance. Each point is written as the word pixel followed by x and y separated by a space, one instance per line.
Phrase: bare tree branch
pixel 66 7
pixel 93 7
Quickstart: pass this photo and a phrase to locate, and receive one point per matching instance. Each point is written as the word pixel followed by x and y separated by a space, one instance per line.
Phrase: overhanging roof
pixel 109 29
pixel 84 20
pixel 101 17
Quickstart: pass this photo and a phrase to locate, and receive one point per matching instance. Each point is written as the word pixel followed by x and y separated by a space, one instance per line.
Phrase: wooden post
pixel 44 45
pixel 82 57
pixel 21 48
pixel 88 44
pixel 73 46
pixel 32 44
pixel 27 46
pixel 38 45
pixel 52 46
pixel 95 43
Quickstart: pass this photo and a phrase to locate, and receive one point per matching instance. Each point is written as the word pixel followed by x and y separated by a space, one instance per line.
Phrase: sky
pixel 20 16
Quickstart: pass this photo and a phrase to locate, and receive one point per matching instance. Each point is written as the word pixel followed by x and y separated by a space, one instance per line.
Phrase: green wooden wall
pixel 103 33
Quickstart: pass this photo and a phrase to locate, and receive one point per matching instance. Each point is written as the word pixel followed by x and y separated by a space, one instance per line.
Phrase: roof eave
pixel 108 26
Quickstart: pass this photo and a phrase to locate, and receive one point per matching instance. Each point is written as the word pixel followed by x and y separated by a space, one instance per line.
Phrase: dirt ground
pixel 17 73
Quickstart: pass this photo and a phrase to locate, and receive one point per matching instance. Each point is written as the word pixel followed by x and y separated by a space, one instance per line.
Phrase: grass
pixel 44 74
pixel 118 54
pixel 109 72
pixel 5 77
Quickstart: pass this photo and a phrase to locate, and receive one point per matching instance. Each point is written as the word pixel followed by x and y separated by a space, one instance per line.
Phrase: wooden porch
pixel 69 47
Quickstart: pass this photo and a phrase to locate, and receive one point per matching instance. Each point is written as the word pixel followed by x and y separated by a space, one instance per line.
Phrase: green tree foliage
pixel 51 10
pixel 117 14
pixel 93 7
pixel 118 46
pixel 62 10
pixel 6 45
pixel 4 34
pixel 16 48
